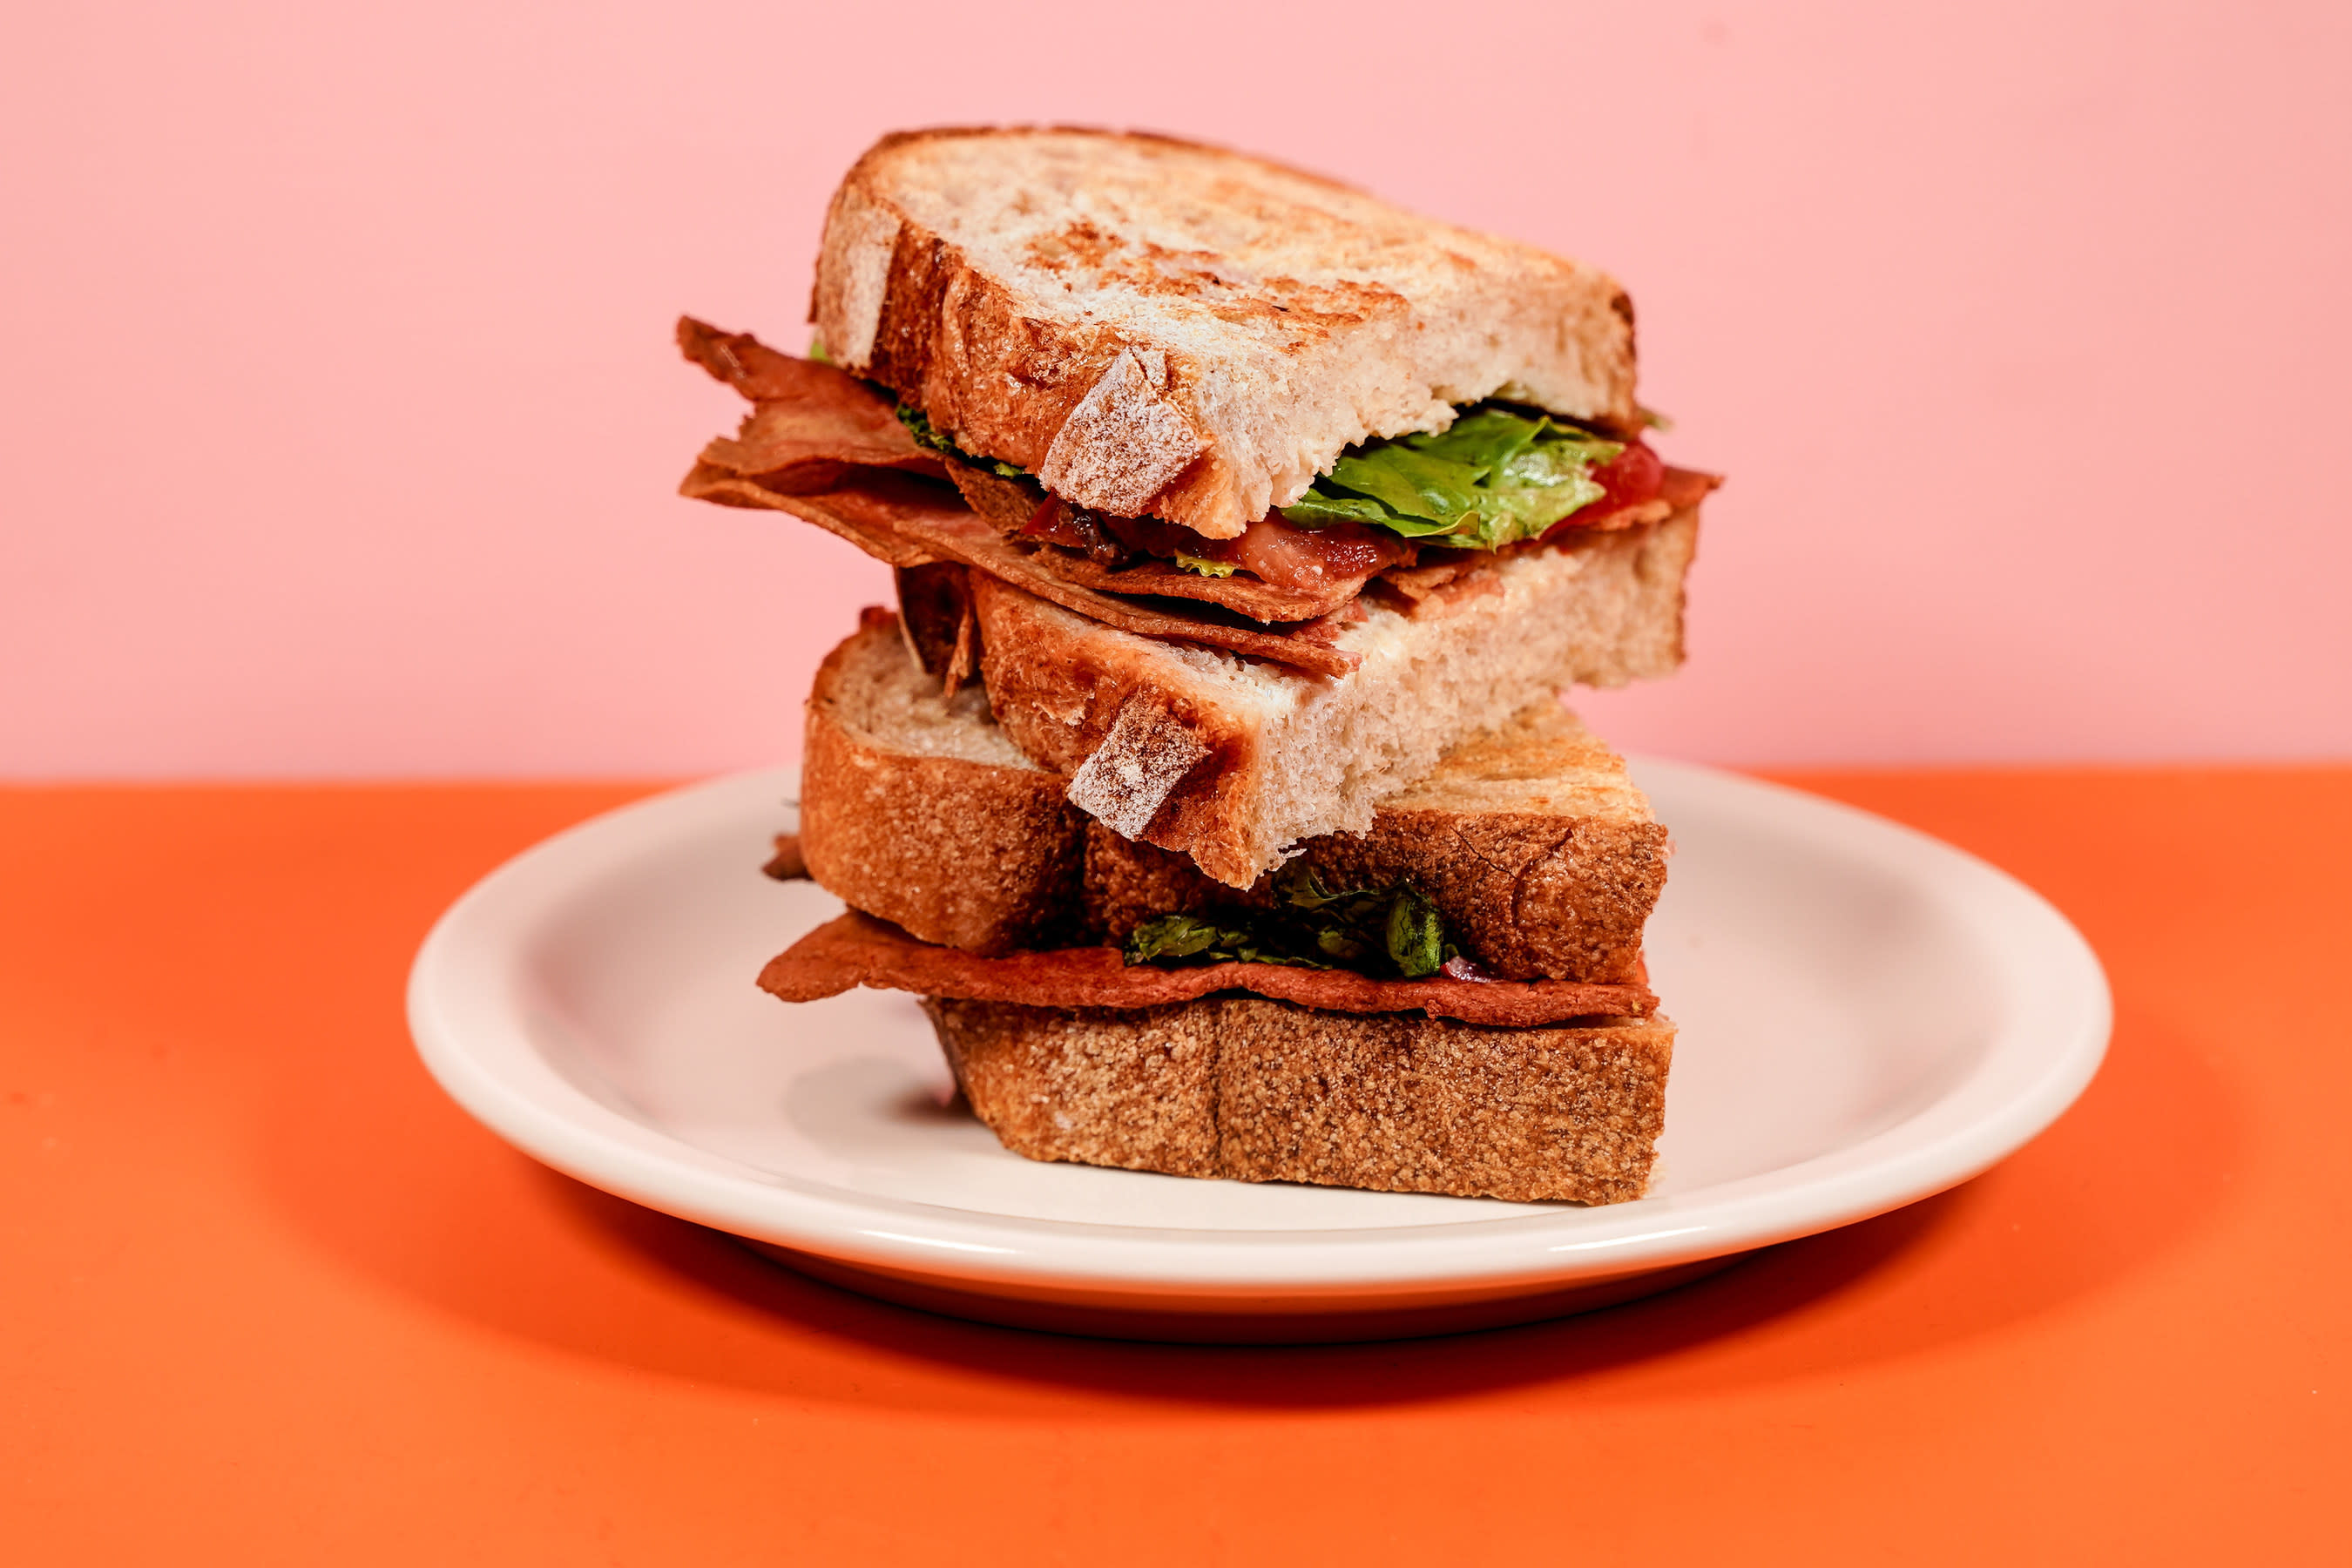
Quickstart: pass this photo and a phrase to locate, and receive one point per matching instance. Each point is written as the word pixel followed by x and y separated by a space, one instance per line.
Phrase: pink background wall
pixel 339 421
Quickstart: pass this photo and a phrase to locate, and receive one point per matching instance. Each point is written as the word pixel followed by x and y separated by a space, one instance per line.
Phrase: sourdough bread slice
pixel 1259 1090
pixel 1535 847
pixel 916 807
pixel 1155 327
pixel 1531 839
pixel 1232 762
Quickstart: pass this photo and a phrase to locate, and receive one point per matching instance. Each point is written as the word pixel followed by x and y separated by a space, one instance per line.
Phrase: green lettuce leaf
pixel 918 426
pixel 1372 931
pixel 1493 478
pixel 1316 510
pixel 1416 935
pixel 1179 937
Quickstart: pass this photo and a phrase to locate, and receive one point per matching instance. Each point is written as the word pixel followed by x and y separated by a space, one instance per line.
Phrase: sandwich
pixel 1209 778
pixel 1453 1001
pixel 1265 492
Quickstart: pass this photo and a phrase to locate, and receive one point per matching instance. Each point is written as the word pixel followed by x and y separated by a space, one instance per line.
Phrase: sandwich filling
pixel 1392 931
pixel 1410 520
pixel 856 950
pixel 1498 475
pixel 1496 478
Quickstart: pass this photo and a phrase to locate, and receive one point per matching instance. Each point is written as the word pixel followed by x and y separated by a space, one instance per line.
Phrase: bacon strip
pixel 809 423
pixel 1010 503
pixel 908 523
pixel 1685 488
pixel 829 451
pixel 858 949
pixel 1257 599
pixel 866 510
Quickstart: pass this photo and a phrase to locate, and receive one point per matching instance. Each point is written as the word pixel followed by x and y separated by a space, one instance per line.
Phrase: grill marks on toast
pixel 1292 312
pixel 995 278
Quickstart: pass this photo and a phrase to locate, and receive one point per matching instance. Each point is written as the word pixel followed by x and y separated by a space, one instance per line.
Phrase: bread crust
pixel 1598 609
pixel 1541 886
pixel 1158 326
pixel 1264 1091
pixel 1536 848
pixel 968 854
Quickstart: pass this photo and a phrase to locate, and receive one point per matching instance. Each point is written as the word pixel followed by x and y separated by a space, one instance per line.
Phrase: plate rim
pixel 464 1011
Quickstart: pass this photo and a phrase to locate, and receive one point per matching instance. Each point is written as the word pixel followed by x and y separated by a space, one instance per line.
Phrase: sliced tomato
pixel 1629 478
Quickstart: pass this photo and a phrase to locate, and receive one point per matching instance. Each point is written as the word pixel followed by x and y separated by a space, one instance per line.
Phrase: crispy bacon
pixel 1260 601
pixel 907 523
pixel 1308 562
pixel 833 453
pixel 1682 489
pixel 809 424
pixel 858 949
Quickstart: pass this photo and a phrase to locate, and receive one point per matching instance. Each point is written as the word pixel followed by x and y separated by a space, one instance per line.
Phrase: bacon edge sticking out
pixel 858 949
pixel 906 523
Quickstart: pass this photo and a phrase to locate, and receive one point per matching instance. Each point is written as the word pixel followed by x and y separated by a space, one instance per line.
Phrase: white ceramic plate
pixel 1868 1016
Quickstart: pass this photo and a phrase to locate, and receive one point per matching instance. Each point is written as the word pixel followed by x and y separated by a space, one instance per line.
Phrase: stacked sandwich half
pixel 1210 781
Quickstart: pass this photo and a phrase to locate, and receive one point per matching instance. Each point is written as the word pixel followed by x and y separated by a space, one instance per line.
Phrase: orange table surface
pixel 269 1298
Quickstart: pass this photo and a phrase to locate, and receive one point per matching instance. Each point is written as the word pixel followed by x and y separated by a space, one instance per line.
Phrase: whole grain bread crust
pixel 1278 757
pixel 1260 1091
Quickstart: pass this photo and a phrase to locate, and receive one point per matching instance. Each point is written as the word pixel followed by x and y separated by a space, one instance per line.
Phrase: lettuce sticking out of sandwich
pixel 918 424
pixel 1494 478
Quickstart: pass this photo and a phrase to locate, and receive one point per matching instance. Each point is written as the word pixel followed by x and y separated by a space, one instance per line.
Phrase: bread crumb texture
pixel 915 807
pixel 1260 1091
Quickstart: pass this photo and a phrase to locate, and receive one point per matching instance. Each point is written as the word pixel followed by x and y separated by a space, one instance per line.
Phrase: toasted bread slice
pixel 1260 1091
pixel 1155 327
pixel 1232 762
pixel 1531 839
pixel 1535 847
pixel 916 807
